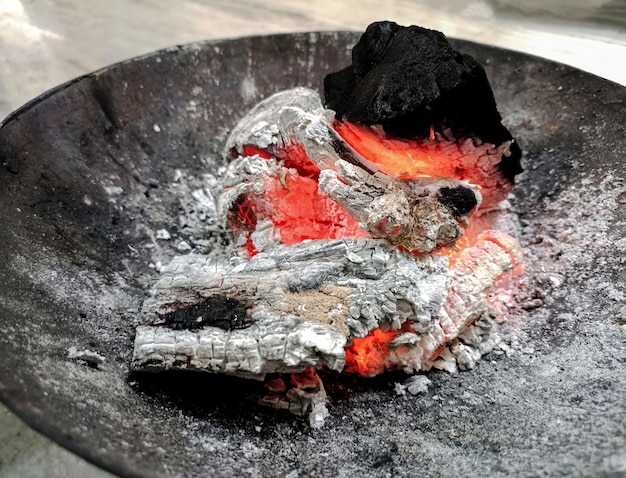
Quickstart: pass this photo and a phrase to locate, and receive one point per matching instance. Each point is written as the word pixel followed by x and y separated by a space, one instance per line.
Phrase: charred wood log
pixel 295 307
pixel 409 81
pixel 305 303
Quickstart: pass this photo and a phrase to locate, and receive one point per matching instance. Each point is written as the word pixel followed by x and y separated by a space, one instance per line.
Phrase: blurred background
pixel 46 42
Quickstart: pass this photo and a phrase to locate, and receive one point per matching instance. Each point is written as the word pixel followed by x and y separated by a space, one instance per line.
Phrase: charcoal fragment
pixel 460 200
pixel 216 311
pixel 409 79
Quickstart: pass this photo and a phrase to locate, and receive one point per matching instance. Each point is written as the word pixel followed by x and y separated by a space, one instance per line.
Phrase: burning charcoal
pixel 276 385
pixel 422 345
pixel 306 301
pixel 291 131
pixel 408 214
pixel 306 396
pixel 306 380
pixel 408 89
pixel 336 222
pixel 302 302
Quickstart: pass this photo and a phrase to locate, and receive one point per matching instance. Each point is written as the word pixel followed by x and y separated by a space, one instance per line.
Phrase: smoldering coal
pixel 408 79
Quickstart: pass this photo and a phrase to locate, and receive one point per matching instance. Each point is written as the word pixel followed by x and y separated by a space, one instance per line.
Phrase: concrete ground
pixel 45 43
pixel 24 453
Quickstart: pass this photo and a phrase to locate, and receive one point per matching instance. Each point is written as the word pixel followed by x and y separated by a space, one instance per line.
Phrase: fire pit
pixel 102 186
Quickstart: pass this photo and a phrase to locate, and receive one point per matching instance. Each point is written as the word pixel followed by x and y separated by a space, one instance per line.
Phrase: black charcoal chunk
pixel 408 79
pixel 460 200
pixel 217 311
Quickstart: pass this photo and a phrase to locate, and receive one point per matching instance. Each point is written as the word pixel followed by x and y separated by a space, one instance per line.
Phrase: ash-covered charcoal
pixel 301 393
pixel 421 345
pixel 409 84
pixel 292 166
pixel 308 301
pixel 303 303
pixel 350 245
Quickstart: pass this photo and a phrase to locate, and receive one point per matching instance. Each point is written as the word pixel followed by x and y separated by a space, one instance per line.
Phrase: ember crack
pixel 348 225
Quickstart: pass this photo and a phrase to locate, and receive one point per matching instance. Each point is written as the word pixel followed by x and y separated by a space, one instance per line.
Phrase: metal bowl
pixel 88 172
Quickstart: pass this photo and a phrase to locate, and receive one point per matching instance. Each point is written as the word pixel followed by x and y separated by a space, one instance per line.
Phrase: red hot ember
pixel 348 217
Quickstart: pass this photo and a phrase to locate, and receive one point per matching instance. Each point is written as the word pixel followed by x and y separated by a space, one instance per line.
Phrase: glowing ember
pixel 242 219
pixel 380 350
pixel 373 354
pixel 296 198
pixel 367 356
pixel 400 158
pixel 439 156
pixel 300 212
pixel 359 248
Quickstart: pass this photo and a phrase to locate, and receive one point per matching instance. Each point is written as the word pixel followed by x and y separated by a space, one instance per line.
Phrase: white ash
pixel 561 247
pixel 349 286
pixel 197 227
pixel 90 357
pixel 384 207
pixel 473 275
pixel 416 384
pixel 183 246
pixel 163 234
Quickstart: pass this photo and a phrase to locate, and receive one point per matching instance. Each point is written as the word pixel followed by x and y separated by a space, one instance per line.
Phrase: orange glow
pixel 294 156
pixel 293 202
pixel 242 219
pixel 296 206
pixel 250 150
pixel 453 253
pixel 368 356
pixel 301 211
pixel 401 158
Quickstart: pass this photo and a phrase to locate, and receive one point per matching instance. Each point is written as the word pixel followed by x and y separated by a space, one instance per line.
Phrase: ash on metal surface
pixel 548 401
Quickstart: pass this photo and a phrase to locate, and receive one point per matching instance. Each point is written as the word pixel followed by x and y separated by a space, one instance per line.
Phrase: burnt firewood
pixel 304 302
pixel 340 224
pixel 307 302
pixel 302 394
pixel 409 78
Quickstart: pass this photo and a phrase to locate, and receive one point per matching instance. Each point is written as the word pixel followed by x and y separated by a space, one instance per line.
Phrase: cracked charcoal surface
pixel 223 312
pixel 409 78
pixel 383 205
